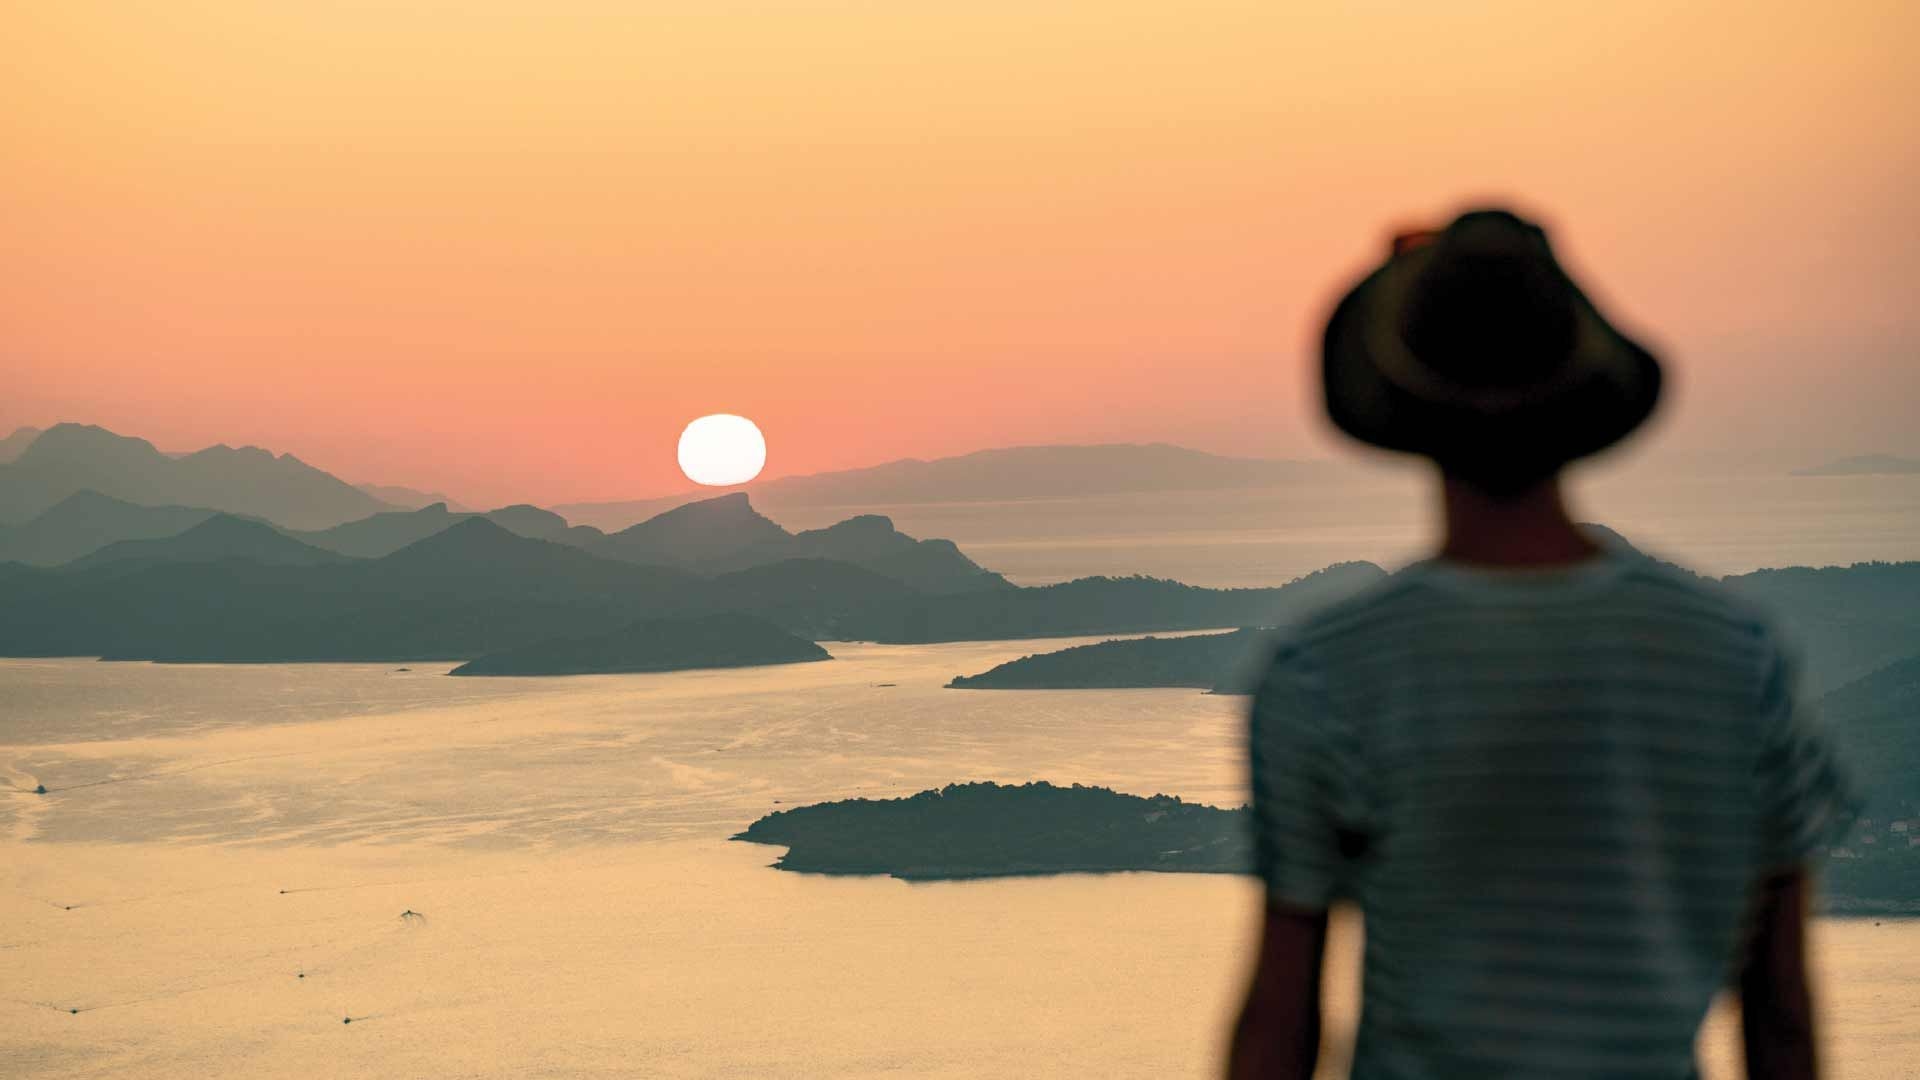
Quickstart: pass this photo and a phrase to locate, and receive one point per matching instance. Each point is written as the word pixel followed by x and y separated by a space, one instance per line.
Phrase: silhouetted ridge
pixel 221 536
pixel 87 521
pixel 16 444
pixel 697 532
pixel 67 458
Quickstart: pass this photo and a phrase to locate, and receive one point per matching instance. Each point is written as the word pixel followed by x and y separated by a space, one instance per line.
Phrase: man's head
pixel 1472 347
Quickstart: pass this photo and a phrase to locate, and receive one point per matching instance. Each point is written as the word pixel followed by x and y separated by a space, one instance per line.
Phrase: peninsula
pixel 1218 662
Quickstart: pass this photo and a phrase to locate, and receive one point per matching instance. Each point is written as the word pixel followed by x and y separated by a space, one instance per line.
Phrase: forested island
pixel 992 830
pixel 715 641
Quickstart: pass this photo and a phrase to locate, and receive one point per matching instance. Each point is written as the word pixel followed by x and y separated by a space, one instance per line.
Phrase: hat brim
pixel 1608 387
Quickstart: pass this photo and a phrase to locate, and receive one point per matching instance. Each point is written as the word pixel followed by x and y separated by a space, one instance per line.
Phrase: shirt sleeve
pixel 1806 799
pixel 1307 805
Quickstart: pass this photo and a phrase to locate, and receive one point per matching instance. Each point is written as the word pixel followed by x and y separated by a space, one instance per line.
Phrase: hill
pixel 726 533
pixel 1849 620
pixel 470 590
pixel 1877 718
pixel 406 498
pixel 713 641
pixel 219 537
pixel 69 458
pixel 871 542
pixel 989 830
pixel 1018 472
pixel 87 521
pixel 385 533
pixel 696 532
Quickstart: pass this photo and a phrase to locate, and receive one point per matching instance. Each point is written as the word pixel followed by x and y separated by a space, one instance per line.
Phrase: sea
pixel 373 870
pixel 219 877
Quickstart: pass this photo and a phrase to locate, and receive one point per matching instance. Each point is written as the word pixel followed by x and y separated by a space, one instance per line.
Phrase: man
pixel 1571 790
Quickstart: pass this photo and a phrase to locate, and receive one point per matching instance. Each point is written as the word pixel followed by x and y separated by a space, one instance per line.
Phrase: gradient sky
pixel 507 249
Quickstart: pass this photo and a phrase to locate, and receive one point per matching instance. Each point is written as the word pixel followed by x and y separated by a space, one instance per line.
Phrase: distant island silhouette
pixel 991 830
pixel 1865 465
pixel 1199 661
pixel 712 641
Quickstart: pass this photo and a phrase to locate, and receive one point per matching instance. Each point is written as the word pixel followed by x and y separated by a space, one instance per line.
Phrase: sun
pixel 722 449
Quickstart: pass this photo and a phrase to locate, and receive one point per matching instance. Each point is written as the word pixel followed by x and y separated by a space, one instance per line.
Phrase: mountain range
pixel 70 458
pixel 229 589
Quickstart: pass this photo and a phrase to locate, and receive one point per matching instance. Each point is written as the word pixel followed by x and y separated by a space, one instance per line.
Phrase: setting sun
pixel 722 449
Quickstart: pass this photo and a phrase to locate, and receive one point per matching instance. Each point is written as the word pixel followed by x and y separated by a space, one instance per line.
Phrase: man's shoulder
pixel 1666 588
pixel 1381 603
pixel 1640 586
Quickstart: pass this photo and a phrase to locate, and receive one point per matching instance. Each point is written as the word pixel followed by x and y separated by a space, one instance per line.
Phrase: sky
pixel 508 249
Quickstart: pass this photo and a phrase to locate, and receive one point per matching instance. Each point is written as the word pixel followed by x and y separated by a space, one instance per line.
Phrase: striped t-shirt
pixel 1550 792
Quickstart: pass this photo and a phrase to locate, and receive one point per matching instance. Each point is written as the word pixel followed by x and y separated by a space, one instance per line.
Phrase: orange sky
pixel 508 249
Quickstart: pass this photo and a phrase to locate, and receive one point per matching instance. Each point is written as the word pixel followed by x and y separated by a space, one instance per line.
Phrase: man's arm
pixel 1776 1009
pixel 1278 1034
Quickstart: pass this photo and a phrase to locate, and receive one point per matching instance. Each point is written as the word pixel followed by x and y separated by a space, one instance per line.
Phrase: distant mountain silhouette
pixel 1019 472
pixel 696 532
pixel 1865 465
pixel 219 537
pixel 69 458
pixel 406 498
pixel 470 590
pixel 385 533
pixel 87 521
pixel 16 444
pixel 713 641
pixel 993 830
pixel 871 542
pixel 727 533
pixel 531 521
pixel 474 588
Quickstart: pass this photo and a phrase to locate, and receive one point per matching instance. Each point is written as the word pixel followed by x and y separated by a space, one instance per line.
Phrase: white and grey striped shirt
pixel 1550 792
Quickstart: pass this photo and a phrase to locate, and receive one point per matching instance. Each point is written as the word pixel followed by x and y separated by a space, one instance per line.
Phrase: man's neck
pixel 1528 528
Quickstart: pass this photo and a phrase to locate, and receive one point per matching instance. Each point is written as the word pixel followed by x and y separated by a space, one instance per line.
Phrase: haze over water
pixel 584 914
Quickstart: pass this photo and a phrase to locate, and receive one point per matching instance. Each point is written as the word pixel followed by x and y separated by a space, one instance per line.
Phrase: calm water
pixel 1725 522
pixel 220 832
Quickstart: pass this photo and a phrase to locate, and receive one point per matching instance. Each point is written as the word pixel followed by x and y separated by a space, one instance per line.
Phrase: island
pixel 982 830
pixel 1222 663
pixel 1866 465
pixel 728 640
